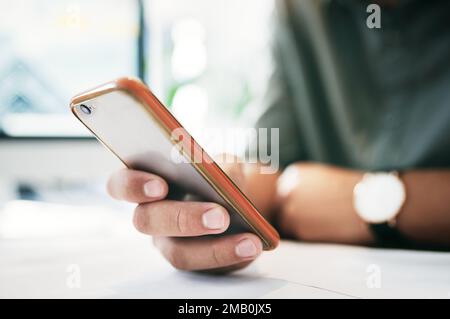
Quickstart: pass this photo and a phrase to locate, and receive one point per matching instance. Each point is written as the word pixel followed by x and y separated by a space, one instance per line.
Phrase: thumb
pixel 234 168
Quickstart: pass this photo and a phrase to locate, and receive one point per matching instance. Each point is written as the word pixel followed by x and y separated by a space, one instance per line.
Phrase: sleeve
pixel 277 108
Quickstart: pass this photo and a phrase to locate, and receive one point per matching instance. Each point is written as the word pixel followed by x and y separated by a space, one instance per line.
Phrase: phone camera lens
pixel 85 109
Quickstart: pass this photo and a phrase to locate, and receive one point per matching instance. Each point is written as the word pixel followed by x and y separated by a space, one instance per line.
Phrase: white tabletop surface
pixel 83 263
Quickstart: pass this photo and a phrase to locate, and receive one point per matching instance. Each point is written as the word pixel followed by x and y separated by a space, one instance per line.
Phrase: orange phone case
pixel 207 168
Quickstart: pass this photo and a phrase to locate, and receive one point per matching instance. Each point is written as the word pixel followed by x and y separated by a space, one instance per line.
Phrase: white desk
pixel 126 265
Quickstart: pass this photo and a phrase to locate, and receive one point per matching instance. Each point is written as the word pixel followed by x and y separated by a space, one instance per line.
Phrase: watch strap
pixel 388 237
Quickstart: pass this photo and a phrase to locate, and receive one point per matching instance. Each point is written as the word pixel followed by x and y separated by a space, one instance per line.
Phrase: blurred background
pixel 207 60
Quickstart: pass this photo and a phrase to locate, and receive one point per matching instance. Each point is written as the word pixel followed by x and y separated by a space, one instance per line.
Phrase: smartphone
pixel 127 118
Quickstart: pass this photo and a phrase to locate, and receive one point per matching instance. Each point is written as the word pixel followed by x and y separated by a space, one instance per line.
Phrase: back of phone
pixel 127 128
pixel 128 119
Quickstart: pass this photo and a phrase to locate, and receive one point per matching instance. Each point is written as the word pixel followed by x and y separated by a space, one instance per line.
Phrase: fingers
pixel 136 186
pixel 177 225
pixel 179 219
pixel 233 167
pixel 209 253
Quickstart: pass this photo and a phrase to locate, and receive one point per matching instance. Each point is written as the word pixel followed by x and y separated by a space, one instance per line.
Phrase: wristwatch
pixel 378 199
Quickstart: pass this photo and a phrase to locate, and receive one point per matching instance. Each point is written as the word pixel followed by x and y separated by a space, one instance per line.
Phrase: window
pixel 206 59
pixel 50 50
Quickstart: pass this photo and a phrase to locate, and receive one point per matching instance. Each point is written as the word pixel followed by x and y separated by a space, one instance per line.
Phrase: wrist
pixel 316 203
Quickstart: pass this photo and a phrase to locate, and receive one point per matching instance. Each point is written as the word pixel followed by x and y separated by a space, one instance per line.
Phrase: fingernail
pixel 153 188
pixel 246 248
pixel 214 219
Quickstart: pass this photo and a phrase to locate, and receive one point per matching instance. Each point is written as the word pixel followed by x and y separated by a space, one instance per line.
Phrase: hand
pixel 315 203
pixel 178 227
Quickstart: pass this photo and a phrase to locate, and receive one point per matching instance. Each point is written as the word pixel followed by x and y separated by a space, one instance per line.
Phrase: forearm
pixel 317 205
pixel 425 216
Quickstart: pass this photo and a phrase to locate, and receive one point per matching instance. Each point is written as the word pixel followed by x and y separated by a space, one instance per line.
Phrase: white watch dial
pixel 378 197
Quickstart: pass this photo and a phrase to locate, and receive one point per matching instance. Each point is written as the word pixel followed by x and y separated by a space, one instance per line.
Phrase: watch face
pixel 378 197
